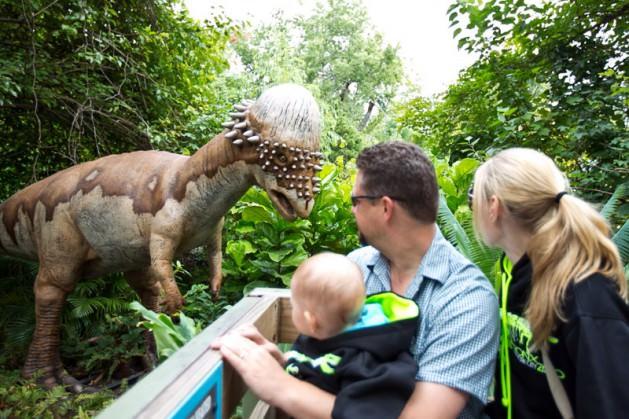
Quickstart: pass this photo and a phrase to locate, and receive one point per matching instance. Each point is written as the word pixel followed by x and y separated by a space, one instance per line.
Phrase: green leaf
pixel 278 254
pixel 238 250
pixel 298 256
pixel 258 214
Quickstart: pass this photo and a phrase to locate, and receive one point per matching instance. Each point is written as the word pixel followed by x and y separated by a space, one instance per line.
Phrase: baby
pixel 350 346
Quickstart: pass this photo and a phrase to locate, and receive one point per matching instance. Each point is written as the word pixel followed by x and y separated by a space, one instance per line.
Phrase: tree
pixel 82 78
pixel 550 76
pixel 348 66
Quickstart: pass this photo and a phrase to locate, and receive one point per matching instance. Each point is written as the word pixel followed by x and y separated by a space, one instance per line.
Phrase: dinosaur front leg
pixel 162 251
pixel 215 258
pixel 145 284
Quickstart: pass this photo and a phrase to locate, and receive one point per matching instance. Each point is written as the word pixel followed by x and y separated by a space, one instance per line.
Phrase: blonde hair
pixel 569 238
pixel 330 286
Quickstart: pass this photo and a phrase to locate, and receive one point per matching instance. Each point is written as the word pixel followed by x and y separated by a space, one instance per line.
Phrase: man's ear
pixel 312 323
pixel 387 207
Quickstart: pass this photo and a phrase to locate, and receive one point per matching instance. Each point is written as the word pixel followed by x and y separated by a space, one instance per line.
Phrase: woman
pixel 566 293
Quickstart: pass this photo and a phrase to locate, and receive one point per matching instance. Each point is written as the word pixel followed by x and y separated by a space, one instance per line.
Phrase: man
pixel 395 200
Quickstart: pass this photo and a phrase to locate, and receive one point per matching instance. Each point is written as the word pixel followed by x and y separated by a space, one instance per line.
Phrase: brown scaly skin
pixel 135 213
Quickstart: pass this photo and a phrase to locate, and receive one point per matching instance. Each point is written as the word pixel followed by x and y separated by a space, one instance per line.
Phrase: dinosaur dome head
pixel 287 113
pixel 284 125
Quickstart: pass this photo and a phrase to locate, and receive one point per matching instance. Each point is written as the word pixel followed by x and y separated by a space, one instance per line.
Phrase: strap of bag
pixel 556 388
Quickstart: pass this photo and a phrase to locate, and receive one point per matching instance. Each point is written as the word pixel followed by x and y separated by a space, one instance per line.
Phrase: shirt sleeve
pixel 460 345
pixel 372 389
pixel 597 343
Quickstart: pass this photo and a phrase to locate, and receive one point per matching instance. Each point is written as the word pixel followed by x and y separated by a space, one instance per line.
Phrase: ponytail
pixel 568 245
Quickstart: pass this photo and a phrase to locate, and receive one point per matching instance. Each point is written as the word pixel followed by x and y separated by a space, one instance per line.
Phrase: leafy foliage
pixel 168 336
pixel 24 399
pixel 83 78
pixel 549 76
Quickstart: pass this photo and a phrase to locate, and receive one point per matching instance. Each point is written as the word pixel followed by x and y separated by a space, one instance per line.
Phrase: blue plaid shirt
pixel 457 334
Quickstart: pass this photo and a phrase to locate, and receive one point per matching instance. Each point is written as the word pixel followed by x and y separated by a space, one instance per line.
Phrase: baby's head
pixel 327 295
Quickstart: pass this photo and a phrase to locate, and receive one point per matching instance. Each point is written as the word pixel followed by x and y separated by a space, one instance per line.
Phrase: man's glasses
pixel 356 198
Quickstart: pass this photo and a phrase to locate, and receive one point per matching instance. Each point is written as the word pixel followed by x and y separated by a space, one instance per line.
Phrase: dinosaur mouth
pixel 283 205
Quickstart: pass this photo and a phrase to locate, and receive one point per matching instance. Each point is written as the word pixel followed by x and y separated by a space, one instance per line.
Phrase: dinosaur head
pixel 280 132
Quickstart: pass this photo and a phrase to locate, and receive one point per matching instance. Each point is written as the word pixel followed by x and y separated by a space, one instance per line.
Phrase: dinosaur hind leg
pixel 51 288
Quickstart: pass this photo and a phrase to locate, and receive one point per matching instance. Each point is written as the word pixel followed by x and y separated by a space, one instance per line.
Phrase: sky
pixel 419 27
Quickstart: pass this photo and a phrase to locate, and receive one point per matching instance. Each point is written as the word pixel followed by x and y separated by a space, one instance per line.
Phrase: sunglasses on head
pixel 470 196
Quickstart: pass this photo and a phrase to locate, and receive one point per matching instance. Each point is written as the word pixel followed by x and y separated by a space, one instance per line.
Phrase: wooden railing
pixel 194 382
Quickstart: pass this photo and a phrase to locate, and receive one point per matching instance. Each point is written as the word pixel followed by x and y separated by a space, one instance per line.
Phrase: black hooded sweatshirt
pixel 370 369
pixel 590 352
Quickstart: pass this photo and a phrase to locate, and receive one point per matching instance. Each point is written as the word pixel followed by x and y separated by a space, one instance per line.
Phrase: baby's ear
pixel 312 322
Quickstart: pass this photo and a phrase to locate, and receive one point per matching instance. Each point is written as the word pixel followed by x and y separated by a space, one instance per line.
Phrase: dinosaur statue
pixel 136 212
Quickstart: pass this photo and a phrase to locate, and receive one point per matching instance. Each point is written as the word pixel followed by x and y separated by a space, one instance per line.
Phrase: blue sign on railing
pixel 204 402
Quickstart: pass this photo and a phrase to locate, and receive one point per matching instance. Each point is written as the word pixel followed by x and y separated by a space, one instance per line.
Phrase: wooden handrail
pixel 194 381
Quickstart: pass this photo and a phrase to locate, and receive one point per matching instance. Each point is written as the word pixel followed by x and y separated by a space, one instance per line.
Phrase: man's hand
pixel 256 366
pixel 252 355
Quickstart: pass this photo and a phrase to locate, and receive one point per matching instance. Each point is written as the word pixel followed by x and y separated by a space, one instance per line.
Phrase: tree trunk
pixel 367 116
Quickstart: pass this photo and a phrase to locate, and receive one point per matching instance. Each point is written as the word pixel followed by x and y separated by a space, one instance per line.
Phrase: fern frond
pixel 621 239
pixel 614 201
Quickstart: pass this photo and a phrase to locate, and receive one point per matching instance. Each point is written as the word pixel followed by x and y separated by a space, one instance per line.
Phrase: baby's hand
pixel 250 332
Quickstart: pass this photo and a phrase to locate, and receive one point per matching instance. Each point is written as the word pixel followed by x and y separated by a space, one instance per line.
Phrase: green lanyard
pixel 505 368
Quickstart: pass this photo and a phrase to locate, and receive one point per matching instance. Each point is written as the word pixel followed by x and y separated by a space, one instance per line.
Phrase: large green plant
pixel 263 249
pixel 455 217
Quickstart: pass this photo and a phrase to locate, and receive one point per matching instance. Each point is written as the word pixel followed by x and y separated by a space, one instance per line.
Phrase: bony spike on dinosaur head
pixel 284 127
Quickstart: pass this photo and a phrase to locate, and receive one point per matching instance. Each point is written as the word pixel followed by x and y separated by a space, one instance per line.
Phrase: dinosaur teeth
pixel 253 139
pixel 238 141
pixel 241 108
pixel 231 134
pixel 317 167
pixel 238 115
pixel 248 133
pixel 228 124
pixel 241 125
pixel 315 190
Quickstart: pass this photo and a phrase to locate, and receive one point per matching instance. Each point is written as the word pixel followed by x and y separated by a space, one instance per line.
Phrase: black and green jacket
pixel 369 369
pixel 589 351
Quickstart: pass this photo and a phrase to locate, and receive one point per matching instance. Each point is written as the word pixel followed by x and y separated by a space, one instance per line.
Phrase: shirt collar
pixel 432 265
